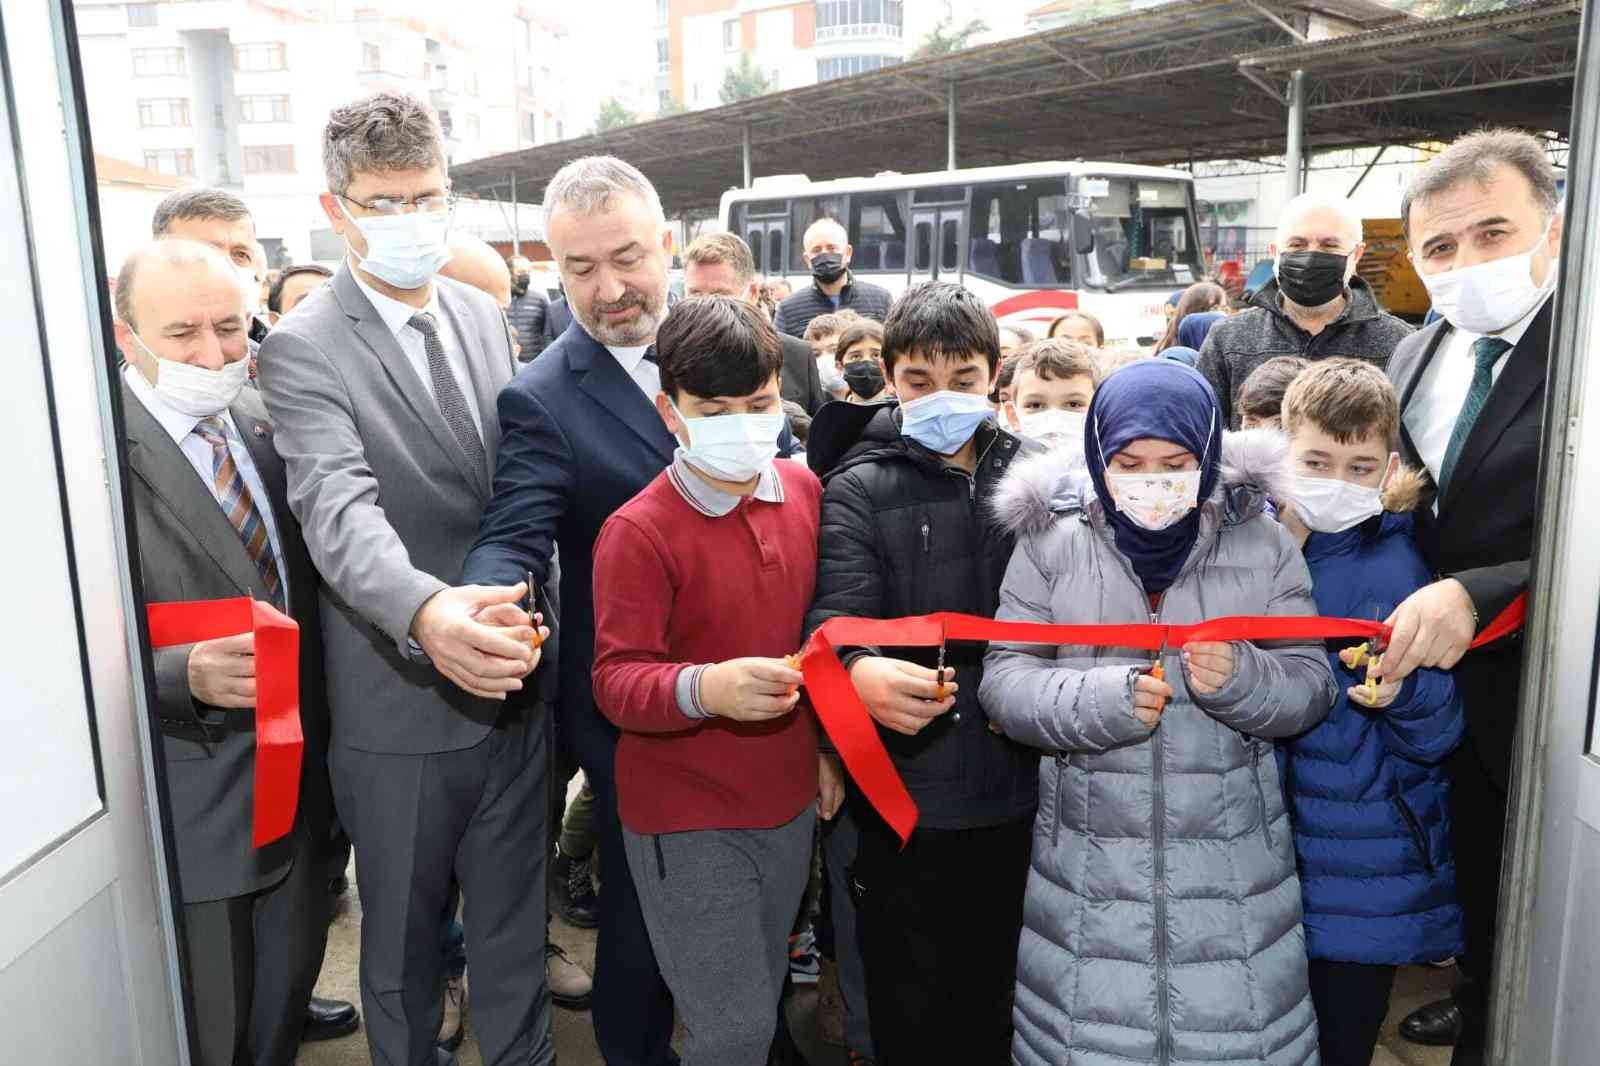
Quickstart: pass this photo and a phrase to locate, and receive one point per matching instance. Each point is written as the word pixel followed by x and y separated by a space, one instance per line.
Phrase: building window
pixel 663 58
pixel 141 16
pixel 263 109
pixel 258 57
pixel 474 128
pixel 154 113
pixel 730 35
pixel 662 13
pixel 844 66
pixel 859 18
pixel 447 123
pixel 664 100
pixel 159 62
pixel 269 159
pixel 531 122
pixel 371 58
pixel 173 162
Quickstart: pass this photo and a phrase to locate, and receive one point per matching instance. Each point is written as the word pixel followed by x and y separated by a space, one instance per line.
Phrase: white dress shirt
pixel 1435 404
pixel 644 373
pixel 397 316
pixel 180 427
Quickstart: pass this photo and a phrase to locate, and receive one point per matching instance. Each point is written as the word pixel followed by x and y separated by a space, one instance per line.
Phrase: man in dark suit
pixel 213 523
pixel 557 318
pixel 720 264
pixel 382 385
pixel 1484 225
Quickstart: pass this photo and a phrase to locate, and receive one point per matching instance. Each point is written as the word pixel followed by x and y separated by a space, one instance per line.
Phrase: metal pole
pixel 950 126
pixel 744 142
pixel 1364 173
pixel 516 229
pixel 1294 150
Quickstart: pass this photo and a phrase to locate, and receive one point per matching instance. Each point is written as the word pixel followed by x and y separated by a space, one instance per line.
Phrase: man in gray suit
pixel 208 496
pixel 382 386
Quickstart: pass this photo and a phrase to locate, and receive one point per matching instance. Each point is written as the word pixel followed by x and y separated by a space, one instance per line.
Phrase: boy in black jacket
pixel 906 531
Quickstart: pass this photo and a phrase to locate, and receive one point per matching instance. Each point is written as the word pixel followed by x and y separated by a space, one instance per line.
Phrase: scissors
pixel 1158 670
pixel 938 673
pixel 537 640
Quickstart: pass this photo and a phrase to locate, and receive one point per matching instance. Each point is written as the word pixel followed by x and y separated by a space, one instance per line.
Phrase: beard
pixel 641 330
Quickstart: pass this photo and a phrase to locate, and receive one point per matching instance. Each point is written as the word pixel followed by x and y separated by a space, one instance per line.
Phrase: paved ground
pixel 575 1036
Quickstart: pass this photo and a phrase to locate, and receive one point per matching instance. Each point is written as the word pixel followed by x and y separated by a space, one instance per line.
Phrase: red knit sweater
pixel 674 587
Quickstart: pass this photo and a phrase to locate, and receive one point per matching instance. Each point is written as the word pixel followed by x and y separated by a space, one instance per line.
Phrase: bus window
pixel 774 252
pixel 754 240
pixel 1143 233
pixel 802 212
pixel 877 233
pixel 950 245
pixel 1020 233
pixel 924 247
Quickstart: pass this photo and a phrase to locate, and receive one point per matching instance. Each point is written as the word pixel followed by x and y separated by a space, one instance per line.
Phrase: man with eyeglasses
pixel 383 385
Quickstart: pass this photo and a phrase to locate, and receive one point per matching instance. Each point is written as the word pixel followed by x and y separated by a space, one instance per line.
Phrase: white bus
pixel 1033 239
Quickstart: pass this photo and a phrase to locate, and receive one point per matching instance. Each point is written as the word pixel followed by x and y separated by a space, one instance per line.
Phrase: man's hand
pixel 830 786
pixel 1432 628
pixel 222 672
pixel 1209 665
pixel 1150 697
pixel 899 695
pixel 750 690
pixel 510 616
pixel 480 658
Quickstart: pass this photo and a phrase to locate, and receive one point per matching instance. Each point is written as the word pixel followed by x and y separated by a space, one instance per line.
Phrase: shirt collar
pixel 630 357
pixel 712 501
pixel 177 424
pixel 394 313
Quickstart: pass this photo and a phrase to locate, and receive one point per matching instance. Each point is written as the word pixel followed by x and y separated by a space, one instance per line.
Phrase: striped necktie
pixel 233 495
pixel 1486 352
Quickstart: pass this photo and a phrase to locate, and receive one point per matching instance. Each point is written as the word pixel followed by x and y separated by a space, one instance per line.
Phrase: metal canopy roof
pixel 1190 80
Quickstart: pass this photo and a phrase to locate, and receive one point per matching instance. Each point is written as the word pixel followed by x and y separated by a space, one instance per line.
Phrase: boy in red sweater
pixel 701 584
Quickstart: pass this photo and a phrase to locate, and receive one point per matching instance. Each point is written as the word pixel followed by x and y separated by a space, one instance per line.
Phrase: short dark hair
pixel 275 294
pixel 202 202
pixel 385 131
pixel 1094 324
pixel 864 329
pixel 716 346
pixel 830 324
pixel 1348 399
pixel 1474 158
pixel 941 320
pixel 1261 395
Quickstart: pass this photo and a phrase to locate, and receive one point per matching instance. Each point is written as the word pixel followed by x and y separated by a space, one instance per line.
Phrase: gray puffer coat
pixel 1162 919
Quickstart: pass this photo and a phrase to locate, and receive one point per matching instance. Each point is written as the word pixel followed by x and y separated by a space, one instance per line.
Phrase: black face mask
pixel 1311 279
pixel 864 377
pixel 519 285
pixel 827 267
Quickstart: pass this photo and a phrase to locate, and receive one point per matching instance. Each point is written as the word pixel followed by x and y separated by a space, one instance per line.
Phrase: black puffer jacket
pixel 904 534
pixel 526 315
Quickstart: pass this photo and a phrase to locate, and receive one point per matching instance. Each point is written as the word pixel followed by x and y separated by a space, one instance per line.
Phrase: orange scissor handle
pixel 1158 671
pixel 792 661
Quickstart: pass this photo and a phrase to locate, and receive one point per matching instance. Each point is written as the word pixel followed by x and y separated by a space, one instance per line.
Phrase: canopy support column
pixel 1294 150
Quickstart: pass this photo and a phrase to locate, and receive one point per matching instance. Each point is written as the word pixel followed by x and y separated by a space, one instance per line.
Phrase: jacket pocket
pixel 1261 792
pixel 1414 827
pixel 1058 803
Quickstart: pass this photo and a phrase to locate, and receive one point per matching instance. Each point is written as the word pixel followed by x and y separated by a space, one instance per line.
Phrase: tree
pixel 743 81
pixel 613 116
pixel 944 38
pixel 670 106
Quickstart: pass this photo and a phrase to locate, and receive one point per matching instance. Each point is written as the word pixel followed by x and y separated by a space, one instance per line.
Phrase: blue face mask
pixel 944 421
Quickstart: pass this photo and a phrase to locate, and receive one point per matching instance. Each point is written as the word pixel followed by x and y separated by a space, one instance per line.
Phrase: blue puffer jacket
pixel 1368 797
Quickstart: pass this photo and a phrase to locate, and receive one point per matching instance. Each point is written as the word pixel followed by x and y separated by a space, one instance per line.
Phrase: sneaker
pixel 571 987
pixel 453 1027
pixel 572 891
pixel 830 1005
pixel 805 965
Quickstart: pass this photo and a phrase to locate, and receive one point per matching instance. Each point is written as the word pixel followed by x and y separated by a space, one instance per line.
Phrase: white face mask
pixel 832 379
pixel 1155 501
pixel 1054 428
pixel 251 290
pixel 1488 297
pixel 404 250
pixel 731 447
pixel 194 390
pixel 1331 505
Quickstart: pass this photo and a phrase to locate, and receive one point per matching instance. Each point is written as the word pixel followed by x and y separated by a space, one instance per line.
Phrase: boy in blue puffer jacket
pixel 1367 792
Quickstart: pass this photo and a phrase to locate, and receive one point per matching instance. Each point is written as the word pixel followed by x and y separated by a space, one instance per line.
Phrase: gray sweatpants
pixel 719 904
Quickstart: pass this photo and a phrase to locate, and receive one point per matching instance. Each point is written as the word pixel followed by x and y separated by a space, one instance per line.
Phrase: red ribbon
pixel 279 741
pixel 855 734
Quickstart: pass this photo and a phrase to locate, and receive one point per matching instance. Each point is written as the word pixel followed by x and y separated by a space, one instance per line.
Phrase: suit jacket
pixel 1483 533
pixel 388 501
pixel 188 550
pixel 801 381
pixel 557 317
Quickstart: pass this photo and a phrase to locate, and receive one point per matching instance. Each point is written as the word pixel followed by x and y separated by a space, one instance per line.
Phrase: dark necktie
pixel 233 496
pixel 650 355
pixel 1486 352
pixel 447 393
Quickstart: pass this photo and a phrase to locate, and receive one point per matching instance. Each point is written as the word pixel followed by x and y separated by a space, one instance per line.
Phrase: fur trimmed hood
pixel 1043 487
pixel 1404 491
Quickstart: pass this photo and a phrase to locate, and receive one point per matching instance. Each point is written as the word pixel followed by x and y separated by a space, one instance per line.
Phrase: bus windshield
pixel 1143 234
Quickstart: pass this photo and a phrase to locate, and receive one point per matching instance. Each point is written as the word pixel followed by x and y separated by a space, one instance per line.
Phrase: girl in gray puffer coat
pixel 1162 917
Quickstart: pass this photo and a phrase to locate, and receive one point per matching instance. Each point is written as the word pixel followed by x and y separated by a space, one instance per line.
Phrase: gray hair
pixel 174 252
pixel 1316 201
pixel 826 222
pixel 586 185
pixel 386 131
pixel 202 202
pixel 1474 158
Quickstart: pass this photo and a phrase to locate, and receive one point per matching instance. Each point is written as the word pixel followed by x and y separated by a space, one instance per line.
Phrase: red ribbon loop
pixel 280 744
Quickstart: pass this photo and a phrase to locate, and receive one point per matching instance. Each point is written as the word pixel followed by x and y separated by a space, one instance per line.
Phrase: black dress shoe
pixel 572 894
pixel 1437 1024
pixel 329 1019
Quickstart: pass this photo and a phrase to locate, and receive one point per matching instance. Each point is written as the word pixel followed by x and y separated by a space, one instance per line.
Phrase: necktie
pixel 233 495
pixel 1486 352
pixel 446 393
pixel 650 355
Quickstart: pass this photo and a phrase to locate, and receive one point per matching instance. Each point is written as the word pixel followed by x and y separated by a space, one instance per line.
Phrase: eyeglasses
pixel 426 205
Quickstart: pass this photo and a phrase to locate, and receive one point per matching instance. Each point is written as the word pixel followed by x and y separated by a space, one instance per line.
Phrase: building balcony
pixel 860 31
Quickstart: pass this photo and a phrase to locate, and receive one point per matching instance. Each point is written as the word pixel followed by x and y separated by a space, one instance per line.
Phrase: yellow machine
pixel 1387 269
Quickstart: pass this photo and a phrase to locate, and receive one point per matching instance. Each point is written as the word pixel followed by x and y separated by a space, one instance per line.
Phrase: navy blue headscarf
pixel 1193 329
pixel 1179 354
pixel 1168 401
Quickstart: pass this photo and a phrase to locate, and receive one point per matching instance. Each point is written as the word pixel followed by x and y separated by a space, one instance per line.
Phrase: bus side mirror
pixel 1082 232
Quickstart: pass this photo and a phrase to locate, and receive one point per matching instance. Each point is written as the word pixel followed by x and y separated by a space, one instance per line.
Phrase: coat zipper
pixel 1158 836
pixel 1061 804
pixel 1261 793
pixel 1418 838
pixel 927 532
